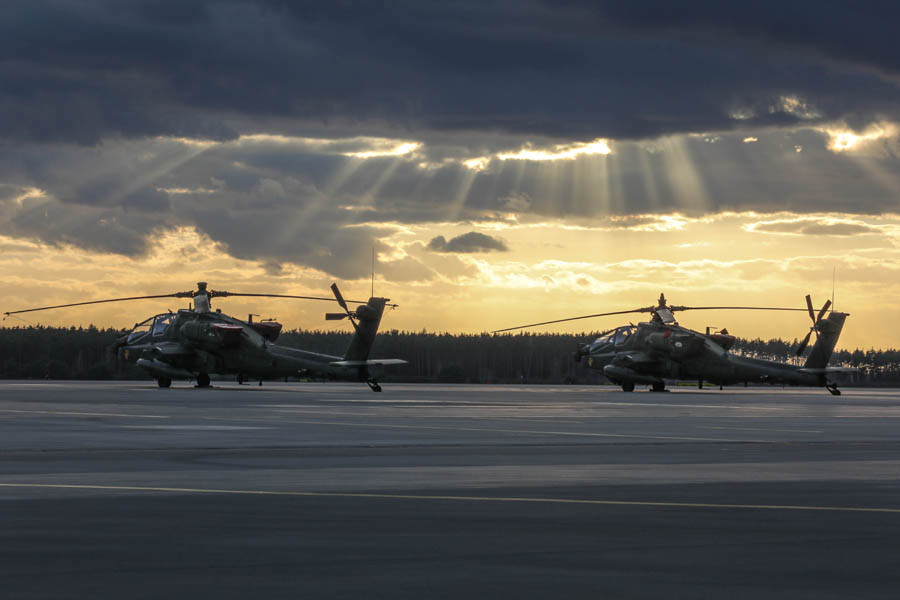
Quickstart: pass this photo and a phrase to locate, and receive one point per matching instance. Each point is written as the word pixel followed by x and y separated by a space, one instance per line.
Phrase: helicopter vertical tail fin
pixel 829 330
pixel 369 318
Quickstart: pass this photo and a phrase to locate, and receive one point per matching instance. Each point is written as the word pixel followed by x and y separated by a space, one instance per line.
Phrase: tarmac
pixel 327 490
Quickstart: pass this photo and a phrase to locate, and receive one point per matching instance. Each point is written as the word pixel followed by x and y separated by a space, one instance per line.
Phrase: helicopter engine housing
pixel 197 332
pixel 675 344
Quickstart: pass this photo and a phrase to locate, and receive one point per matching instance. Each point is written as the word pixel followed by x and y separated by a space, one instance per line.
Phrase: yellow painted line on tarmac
pixel 495 430
pixel 497 499
pixel 82 414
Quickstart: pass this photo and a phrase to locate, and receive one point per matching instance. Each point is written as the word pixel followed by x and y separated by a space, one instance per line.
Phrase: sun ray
pixel 683 175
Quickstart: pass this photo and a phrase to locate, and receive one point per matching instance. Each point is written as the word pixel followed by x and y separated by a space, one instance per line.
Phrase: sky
pixel 508 161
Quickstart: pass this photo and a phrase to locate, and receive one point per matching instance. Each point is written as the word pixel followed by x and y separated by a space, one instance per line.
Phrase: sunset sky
pixel 510 162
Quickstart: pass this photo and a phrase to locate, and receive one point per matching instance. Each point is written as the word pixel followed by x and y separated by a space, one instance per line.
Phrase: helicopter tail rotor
pixel 815 323
pixel 347 314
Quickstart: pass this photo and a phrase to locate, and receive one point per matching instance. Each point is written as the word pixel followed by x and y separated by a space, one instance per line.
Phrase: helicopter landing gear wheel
pixel 164 382
pixel 628 386
pixel 373 385
pixel 202 380
pixel 659 387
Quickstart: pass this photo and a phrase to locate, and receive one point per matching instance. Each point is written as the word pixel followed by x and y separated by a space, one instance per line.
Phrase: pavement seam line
pixel 498 499
pixel 498 430
pixel 83 414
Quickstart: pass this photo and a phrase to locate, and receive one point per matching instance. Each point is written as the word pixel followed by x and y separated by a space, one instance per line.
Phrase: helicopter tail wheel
pixel 628 386
pixel 833 388
pixel 373 385
pixel 164 382
pixel 202 380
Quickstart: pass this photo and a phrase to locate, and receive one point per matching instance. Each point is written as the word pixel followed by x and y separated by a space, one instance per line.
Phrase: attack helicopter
pixel 195 342
pixel 649 353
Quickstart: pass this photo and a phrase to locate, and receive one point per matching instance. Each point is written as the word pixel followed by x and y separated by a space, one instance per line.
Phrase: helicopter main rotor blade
pixel 619 312
pixel 651 309
pixel 214 294
pixel 680 308
pixel 175 295
pixel 226 294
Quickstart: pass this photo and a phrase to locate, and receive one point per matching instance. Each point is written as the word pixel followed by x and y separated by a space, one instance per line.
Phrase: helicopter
pixel 649 353
pixel 198 341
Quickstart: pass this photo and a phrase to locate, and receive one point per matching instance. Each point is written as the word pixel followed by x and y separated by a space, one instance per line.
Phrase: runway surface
pixel 111 490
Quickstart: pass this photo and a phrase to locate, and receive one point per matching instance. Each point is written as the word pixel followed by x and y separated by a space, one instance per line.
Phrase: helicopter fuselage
pixel 653 352
pixel 179 345
pixel 196 342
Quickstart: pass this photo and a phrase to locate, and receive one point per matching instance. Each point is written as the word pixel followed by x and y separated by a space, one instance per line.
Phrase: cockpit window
pixel 140 330
pixel 162 323
pixel 623 334
pixel 605 339
pixel 600 342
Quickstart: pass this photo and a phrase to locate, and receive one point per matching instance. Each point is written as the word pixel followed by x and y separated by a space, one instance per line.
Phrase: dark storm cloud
pixel 86 71
pixel 58 224
pixel 859 32
pixel 467 243
pixel 86 88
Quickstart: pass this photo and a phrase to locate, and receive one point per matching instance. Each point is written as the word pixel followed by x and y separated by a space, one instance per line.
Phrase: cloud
pixel 814 227
pixel 285 200
pixel 56 223
pixel 468 243
pixel 87 72
pixel 136 119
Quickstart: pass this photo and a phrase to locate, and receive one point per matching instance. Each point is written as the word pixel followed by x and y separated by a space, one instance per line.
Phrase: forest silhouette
pixel 38 352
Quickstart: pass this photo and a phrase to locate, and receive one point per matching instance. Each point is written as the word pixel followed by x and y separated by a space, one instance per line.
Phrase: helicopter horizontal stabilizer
pixel 368 363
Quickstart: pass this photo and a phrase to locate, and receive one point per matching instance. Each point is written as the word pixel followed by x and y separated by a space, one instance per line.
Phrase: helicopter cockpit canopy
pixel 156 325
pixel 162 322
pixel 623 334
pixel 601 342
pixel 140 330
pixel 616 337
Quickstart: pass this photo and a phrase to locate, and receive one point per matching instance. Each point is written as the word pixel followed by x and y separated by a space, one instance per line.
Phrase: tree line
pixel 38 352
